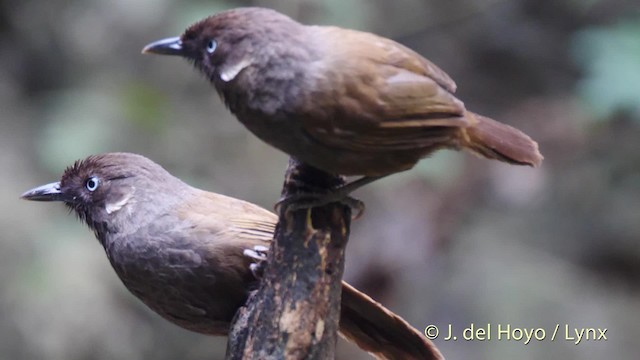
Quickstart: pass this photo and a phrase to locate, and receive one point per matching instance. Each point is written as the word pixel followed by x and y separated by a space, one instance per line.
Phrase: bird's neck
pixel 271 82
pixel 136 214
pixel 102 231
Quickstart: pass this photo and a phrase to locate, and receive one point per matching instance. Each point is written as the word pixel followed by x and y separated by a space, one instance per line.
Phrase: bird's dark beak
pixel 170 46
pixel 49 192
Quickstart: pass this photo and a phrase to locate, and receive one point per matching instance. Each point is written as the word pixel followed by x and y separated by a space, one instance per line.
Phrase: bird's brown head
pixel 224 44
pixel 108 191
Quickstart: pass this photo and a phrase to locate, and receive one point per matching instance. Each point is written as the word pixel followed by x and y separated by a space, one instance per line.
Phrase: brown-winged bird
pixel 344 101
pixel 180 250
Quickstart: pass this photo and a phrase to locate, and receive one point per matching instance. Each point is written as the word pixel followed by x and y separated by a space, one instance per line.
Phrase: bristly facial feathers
pixel 100 189
pixel 87 189
pixel 223 45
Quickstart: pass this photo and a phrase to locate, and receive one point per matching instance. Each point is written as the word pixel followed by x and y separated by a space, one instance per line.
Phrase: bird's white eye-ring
pixel 92 183
pixel 211 46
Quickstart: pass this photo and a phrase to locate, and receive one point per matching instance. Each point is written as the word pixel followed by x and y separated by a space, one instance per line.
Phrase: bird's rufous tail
pixel 380 332
pixel 495 140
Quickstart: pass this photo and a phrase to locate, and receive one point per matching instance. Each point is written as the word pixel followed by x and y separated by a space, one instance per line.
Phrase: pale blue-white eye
pixel 211 46
pixel 92 183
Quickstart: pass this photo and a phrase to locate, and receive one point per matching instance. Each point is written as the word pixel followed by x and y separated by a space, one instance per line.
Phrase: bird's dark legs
pixel 311 199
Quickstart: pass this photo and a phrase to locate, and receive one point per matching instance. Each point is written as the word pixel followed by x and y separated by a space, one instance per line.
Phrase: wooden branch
pixel 295 312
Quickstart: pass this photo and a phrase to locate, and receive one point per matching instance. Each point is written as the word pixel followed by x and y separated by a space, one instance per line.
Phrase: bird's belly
pixel 188 294
pixel 295 141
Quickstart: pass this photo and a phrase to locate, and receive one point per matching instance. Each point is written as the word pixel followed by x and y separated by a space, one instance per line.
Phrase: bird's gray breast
pixel 171 276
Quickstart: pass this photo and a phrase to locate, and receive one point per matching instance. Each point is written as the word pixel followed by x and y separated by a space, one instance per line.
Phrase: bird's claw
pixel 259 254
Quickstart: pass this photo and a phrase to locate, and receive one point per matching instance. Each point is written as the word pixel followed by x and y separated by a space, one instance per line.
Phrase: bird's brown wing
pixel 227 226
pixel 385 96
pixel 358 46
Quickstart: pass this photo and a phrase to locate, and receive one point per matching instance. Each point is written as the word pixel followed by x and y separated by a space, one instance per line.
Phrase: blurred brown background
pixel 457 240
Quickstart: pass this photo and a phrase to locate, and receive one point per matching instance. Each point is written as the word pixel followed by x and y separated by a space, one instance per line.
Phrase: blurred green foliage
pixel 610 57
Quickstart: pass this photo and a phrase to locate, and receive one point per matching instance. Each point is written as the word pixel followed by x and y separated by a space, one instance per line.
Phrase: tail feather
pixel 495 140
pixel 379 331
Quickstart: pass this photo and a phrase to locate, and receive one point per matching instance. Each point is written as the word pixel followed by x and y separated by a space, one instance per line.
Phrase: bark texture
pixel 295 312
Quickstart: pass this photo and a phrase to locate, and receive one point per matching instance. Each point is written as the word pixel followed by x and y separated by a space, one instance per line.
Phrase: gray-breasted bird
pixel 344 101
pixel 180 250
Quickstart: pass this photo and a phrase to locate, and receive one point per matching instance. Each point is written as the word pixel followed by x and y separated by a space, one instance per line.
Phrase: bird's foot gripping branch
pixel 295 312
pixel 300 193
